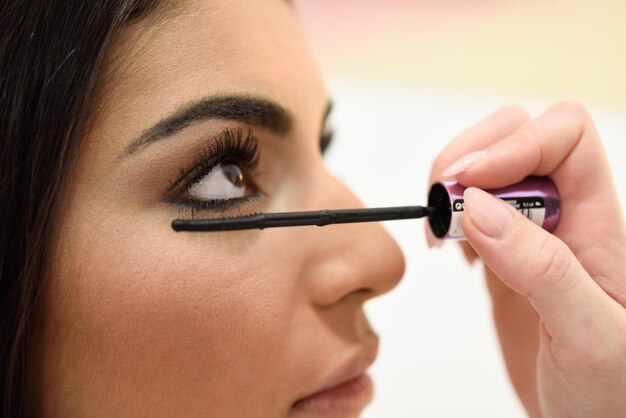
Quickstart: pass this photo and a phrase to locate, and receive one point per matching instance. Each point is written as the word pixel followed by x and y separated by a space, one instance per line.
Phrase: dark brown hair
pixel 51 53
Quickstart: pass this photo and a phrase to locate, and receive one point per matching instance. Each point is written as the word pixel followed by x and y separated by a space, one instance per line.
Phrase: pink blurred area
pixel 568 48
pixel 359 17
pixel 357 23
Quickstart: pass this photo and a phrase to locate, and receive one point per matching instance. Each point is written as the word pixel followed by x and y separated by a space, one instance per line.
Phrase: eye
pixel 326 139
pixel 224 181
pixel 328 133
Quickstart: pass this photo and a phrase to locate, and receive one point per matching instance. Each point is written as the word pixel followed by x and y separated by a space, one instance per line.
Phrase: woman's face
pixel 139 320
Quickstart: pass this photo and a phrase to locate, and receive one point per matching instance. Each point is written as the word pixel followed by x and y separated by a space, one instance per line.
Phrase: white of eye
pixel 225 181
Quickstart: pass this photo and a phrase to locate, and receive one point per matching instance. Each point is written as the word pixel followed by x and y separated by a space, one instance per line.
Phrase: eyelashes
pixel 231 147
pixel 326 140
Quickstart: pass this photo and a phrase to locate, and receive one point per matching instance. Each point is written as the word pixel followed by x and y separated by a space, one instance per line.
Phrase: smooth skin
pixel 558 300
pixel 138 320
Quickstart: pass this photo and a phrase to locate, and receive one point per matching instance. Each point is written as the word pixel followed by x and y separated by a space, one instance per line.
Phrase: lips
pixel 348 389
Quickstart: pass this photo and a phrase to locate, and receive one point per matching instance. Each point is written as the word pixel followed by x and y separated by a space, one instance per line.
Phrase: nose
pixel 348 259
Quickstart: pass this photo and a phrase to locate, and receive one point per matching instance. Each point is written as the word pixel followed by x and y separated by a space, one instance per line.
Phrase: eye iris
pixel 234 174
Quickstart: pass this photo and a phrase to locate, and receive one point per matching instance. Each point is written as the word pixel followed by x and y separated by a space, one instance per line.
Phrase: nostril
pixel 361 295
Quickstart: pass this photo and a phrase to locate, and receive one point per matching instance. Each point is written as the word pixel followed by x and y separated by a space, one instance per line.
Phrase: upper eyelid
pixel 210 157
pixel 326 139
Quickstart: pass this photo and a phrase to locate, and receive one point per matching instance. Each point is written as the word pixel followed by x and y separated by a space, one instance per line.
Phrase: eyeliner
pixel 318 218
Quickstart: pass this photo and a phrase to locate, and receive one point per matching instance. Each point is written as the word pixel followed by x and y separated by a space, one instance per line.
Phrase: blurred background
pixel 408 76
pixel 560 48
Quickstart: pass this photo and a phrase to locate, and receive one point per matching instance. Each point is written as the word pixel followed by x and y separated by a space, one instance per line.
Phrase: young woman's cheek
pixel 212 322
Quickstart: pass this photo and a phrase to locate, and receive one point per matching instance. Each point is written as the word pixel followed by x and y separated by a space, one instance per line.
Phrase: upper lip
pixel 354 367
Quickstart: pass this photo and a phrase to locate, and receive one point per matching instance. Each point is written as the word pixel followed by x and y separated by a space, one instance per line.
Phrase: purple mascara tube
pixel 537 198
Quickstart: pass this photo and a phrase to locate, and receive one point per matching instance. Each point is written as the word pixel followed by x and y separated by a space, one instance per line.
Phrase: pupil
pixel 234 174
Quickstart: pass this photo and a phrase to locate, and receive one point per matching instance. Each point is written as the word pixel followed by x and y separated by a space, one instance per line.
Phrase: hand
pixel 558 300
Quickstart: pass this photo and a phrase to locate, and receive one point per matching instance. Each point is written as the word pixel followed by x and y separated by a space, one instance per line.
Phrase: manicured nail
pixel 464 163
pixel 432 241
pixel 469 254
pixel 492 216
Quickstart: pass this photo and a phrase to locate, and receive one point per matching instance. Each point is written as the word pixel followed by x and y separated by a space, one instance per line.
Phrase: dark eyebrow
pixel 253 110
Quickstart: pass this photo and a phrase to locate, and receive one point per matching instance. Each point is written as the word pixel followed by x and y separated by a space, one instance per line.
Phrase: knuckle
pixel 600 358
pixel 620 297
pixel 574 108
pixel 552 264
pixel 528 142
pixel 591 352
pixel 441 163
pixel 597 358
pixel 514 113
pixel 579 119
pixel 528 135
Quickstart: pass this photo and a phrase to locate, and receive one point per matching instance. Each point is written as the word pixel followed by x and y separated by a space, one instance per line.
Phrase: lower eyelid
pixel 221 207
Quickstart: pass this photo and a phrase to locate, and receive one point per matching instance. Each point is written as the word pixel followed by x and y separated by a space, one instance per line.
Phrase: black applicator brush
pixel 537 198
pixel 319 218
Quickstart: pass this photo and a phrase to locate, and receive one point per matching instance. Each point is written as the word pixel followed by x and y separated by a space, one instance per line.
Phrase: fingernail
pixel 490 214
pixel 469 253
pixel 432 241
pixel 464 163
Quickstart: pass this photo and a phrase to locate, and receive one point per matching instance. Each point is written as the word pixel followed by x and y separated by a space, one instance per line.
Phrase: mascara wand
pixel 318 218
pixel 536 198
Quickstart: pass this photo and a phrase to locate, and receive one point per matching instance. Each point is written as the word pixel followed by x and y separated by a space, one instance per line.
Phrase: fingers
pixel 562 143
pixel 468 252
pixel 539 266
pixel 498 125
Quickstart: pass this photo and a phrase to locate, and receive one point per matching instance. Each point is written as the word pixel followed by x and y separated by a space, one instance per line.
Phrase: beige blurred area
pixel 546 49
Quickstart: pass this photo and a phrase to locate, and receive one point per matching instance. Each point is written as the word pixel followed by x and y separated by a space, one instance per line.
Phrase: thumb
pixel 539 266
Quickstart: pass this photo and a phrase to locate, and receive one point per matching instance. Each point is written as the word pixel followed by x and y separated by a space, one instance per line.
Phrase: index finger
pixel 496 126
pixel 564 144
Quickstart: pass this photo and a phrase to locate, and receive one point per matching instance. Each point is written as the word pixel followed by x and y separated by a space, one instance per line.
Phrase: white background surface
pixel 439 355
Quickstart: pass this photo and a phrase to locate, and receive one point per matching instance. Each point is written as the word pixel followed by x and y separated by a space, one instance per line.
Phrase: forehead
pixel 202 48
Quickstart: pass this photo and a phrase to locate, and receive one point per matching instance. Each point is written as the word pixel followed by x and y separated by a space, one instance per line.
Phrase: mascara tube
pixel 537 198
